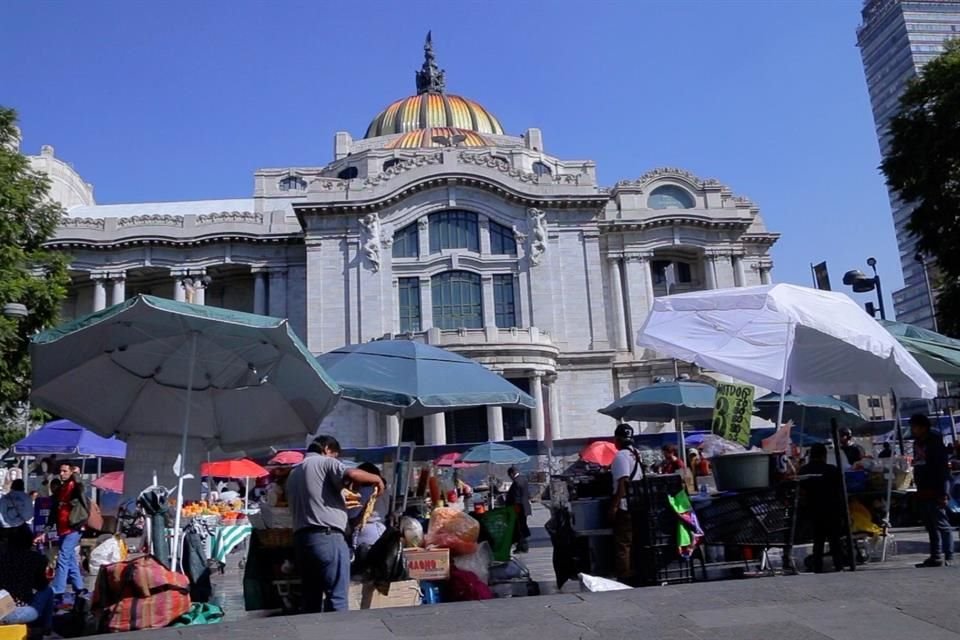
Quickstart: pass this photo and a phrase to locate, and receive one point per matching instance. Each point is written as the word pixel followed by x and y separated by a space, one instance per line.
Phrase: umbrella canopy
pixel 495 453
pixel 411 379
pixel 937 354
pixel 784 336
pixel 662 401
pixel 453 460
pixel 235 469
pixel 140 366
pixel 600 452
pixel 110 482
pixel 66 438
pixel 286 458
pixel 811 413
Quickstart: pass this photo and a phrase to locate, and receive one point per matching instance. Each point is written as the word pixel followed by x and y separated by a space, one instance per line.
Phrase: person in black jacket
pixel 931 474
pixel 823 502
pixel 518 496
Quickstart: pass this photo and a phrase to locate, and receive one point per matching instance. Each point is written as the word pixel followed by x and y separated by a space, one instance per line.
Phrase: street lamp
pixel 919 257
pixel 862 283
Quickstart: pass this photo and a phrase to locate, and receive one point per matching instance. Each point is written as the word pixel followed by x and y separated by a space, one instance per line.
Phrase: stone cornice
pixel 670 173
pixel 766 239
pixel 680 218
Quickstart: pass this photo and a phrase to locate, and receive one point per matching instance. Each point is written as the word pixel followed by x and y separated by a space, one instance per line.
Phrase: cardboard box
pixel 14 632
pixel 6 603
pixel 423 564
pixel 365 595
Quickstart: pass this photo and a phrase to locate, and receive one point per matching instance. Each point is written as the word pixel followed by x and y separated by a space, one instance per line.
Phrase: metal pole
pixel 883 309
pixel 183 451
pixel 783 385
pixel 897 421
pixel 926 280
pixel 851 547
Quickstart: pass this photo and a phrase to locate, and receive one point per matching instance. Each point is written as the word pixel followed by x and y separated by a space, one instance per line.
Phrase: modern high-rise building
pixel 897 38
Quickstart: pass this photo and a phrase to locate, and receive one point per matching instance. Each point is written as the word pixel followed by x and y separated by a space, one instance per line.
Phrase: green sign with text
pixel 732 412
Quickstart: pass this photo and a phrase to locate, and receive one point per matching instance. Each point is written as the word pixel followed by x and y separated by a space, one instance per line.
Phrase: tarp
pixel 66 438
pixel 778 336
pixel 936 353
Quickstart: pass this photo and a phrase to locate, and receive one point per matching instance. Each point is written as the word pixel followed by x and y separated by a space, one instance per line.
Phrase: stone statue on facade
pixel 371 239
pixel 538 235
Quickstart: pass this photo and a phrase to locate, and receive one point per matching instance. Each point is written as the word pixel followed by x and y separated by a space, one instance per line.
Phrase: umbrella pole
pixel 837 452
pixel 897 420
pixel 246 494
pixel 683 444
pixel 174 562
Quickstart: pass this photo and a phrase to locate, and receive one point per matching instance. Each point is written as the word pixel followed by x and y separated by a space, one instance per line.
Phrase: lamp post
pixel 862 283
pixel 919 257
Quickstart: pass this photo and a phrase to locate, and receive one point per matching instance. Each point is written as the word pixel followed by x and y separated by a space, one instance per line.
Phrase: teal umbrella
pixel 812 414
pixel 937 354
pixel 494 453
pixel 411 379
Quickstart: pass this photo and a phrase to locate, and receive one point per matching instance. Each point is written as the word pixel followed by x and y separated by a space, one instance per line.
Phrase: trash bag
pixel 463 586
pixel 596 584
pixel 384 560
pixel 500 526
pixel 477 563
pixel 454 530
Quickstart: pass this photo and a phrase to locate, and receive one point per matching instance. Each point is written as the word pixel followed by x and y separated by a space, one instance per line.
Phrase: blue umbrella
pixel 411 379
pixel 811 413
pixel 495 453
pixel 66 438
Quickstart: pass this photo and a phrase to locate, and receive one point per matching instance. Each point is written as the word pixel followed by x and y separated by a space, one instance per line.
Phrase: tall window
pixel 293 183
pixel 409 294
pixel 681 271
pixel 457 300
pixel 349 173
pixel 516 422
pixel 454 230
pixel 466 426
pixel 670 197
pixel 541 169
pixel 406 242
pixel 412 431
pixel 502 240
pixel 503 301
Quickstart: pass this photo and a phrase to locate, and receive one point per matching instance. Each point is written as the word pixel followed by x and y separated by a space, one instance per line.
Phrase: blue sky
pixel 184 100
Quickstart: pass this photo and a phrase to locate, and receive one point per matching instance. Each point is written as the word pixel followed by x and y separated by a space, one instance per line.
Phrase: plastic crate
pixel 654 520
pixel 661 565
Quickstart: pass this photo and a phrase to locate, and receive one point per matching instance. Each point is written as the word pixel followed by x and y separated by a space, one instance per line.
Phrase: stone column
pixel 260 293
pixel 426 304
pixel 278 293
pixel 489 308
pixel 639 292
pixel 709 271
pixel 435 429
pixel 423 234
pixel 554 402
pixel 739 276
pixel 199 291
pixel 495 424
pixel 99 293
pixel 373 428
pixel 179 291
pixel 536 390
pixel 619 313
pixel 484 228
pixel 119 290
pixel 393 431
pixel 596 308
pixel 765 273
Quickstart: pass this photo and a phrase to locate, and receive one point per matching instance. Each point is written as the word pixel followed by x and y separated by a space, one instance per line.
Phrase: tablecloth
pixel 227 538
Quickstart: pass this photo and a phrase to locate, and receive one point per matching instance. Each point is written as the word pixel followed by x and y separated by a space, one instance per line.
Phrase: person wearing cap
pixel 851 449
pixel 315 493
pixel 626 468
pixel 931 474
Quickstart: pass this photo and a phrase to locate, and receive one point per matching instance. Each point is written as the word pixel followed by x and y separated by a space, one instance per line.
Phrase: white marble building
pixel 437 226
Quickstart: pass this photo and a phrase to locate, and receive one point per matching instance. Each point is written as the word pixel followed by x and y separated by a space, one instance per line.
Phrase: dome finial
pixel 430 78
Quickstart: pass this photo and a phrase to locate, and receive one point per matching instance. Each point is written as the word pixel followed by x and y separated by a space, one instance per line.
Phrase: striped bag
pixel 139 594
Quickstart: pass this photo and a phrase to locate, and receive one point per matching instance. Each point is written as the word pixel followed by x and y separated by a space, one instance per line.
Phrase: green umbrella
pixel 937 354
pixel 812 414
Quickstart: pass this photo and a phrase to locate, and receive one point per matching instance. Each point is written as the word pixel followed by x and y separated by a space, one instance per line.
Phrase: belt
pixel 318 529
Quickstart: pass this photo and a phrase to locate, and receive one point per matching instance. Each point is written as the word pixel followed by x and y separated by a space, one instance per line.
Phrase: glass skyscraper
pixel 897 38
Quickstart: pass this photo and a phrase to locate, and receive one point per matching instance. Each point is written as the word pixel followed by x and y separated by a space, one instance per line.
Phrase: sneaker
pixel 930 563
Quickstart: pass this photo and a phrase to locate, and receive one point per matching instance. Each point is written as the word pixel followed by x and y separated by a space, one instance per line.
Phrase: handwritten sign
pixel 733 411
pixel 433 564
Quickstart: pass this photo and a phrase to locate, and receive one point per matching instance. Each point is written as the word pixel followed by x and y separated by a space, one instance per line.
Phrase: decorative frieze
pixel 230 217
pixel 82 223
pixel 405 164
pixel 157 220
pixel 495 162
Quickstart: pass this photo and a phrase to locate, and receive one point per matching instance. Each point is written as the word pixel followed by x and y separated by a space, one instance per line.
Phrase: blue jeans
pixel 323 559
pixel 68 569
pixel 38 613
pixel 939 530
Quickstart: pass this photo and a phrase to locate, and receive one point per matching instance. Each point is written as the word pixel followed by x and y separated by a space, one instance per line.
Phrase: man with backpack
pixel 625 469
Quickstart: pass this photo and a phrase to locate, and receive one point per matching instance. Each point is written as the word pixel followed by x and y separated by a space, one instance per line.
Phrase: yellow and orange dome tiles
pixel 433 110
pixel 438 137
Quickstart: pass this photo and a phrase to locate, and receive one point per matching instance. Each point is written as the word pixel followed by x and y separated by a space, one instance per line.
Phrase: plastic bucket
pixel 740 471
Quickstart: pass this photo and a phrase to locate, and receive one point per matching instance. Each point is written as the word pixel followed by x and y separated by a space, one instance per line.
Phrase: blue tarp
pixel 66 438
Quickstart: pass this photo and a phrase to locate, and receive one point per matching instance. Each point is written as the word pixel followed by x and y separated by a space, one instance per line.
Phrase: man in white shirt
pixel 625 469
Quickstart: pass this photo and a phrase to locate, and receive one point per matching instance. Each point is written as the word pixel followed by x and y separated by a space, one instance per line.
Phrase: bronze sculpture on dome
pixel 431 78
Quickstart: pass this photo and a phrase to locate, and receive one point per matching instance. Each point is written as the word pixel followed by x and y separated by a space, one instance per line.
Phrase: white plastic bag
pixel 412 532
pixel 477 563
pixel 107 552
pixel 594 584
pixel 714 445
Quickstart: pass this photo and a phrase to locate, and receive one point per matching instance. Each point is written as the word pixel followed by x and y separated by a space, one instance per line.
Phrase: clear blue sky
pixel 184 100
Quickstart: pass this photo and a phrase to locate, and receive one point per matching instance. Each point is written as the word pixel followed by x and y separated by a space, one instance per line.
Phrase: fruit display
pixel 228 511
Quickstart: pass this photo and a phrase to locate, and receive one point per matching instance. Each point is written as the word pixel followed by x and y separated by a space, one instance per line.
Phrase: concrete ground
pixel 888 600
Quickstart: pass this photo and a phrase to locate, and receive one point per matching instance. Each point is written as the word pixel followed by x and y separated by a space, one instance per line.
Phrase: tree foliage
pixel 923 168
pixel 29 274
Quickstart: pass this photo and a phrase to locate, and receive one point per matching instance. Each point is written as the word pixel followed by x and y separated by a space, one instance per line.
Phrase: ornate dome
pixel 431 107
pixel 438 137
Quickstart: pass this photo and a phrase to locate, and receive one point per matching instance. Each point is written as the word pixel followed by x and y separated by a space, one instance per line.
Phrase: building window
pixel 516 422
pixel 504 301
pixel 349 173
pixel 502 240
pixel 392 162
pixel 412 431
pixel 873 403
pixel 466 426
pixel 406 242
pixel 454 230
pixel 540 169
pixel 670 197
pixel 409 290
pixel 681 271
pixel 457 300
pixel 293 183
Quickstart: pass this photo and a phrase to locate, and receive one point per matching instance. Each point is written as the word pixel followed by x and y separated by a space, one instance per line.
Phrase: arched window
pixel 391 163
pixel 661 272
pixel 406 242
pixel 292 183
pixel 670 197
pixel 540 169
pixel 349 173
pixel 454 230
pixel 457 300
pixel 502 240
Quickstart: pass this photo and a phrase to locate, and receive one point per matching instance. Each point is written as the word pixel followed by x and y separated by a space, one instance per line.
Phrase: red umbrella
pixel 452 460
pixel 236 469
pixel 110 482
pixel 600 452
pixel 287 457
